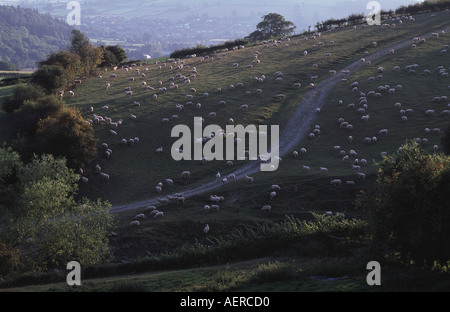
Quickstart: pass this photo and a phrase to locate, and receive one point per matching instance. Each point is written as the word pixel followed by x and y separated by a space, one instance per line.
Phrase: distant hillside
pixel 27 37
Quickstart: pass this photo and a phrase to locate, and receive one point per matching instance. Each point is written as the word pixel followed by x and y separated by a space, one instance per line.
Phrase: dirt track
pixel 296 128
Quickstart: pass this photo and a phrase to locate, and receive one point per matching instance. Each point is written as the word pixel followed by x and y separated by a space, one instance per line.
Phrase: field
pixel 136 170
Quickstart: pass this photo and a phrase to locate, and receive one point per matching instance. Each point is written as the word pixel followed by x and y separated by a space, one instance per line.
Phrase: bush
pixel 202 50
pixel 9 260
pixel 408 210
pixel 66 134
pixel 21 93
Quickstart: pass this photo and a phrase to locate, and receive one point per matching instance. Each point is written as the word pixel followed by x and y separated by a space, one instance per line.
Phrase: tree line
pixel 26 36
pixel 42 226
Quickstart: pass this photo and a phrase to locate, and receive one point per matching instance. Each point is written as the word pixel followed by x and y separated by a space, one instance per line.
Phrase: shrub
pixel 408 210
pixel 67 134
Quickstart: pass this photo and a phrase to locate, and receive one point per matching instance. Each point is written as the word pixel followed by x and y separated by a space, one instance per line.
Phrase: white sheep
pixel 273 194
pixel 266 208
pixel 336 182
pixel 186 174
pixel 134 223
pixel 139 216
pixel 275 187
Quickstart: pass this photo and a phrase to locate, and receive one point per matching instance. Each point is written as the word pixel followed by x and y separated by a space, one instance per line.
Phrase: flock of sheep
pixel 184 71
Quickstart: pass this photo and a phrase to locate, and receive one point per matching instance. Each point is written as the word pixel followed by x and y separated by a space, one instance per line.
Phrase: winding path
pixel 296 128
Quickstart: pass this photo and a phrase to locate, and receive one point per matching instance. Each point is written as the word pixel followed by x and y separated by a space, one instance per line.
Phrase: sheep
pixel 159 214
pixel 350 182
pixel 186 174
pixel 361 175
pixel 275 187
pixel 273 194
pixel 139 216
pixel 206 229
pixel 214 207
pixel 149 209
pixel 248 179
pixel 336 182
pixel 84 180
pixel 134 223
pixel 266 208
pixel 429 112
pixel 306 168
pixel 104 176
pixel 323 169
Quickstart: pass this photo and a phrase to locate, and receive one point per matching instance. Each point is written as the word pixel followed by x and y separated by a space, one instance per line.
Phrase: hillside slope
pixel 142 168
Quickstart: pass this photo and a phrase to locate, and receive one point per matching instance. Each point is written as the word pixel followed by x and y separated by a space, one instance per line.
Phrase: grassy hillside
pixel 136 170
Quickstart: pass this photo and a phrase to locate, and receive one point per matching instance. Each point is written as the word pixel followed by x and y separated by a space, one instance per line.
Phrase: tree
pixel 47 228
pixel 67 134
pixel 272 25
pixel 51 77
pixel 408 210
pixel 79 43
pixel 114 55
pixel 21 94
pixel 90 56
pixel 70 62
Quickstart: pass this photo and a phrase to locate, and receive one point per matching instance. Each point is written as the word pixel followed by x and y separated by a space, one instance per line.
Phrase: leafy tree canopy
pixel 272 25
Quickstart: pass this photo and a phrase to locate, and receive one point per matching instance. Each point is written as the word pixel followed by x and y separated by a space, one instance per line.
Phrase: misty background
pixel 155 28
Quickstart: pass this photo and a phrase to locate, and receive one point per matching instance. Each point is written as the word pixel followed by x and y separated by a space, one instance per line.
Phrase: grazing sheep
pixel 206 229
pixel 134 223
pixel 139 216
pixel 186 174
pixel 336 182
pixel 306 168
pixel 104 176
pixel 248 179
pixel 266 208
pixel 275 187
pixel 273 194
pixel 323 169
